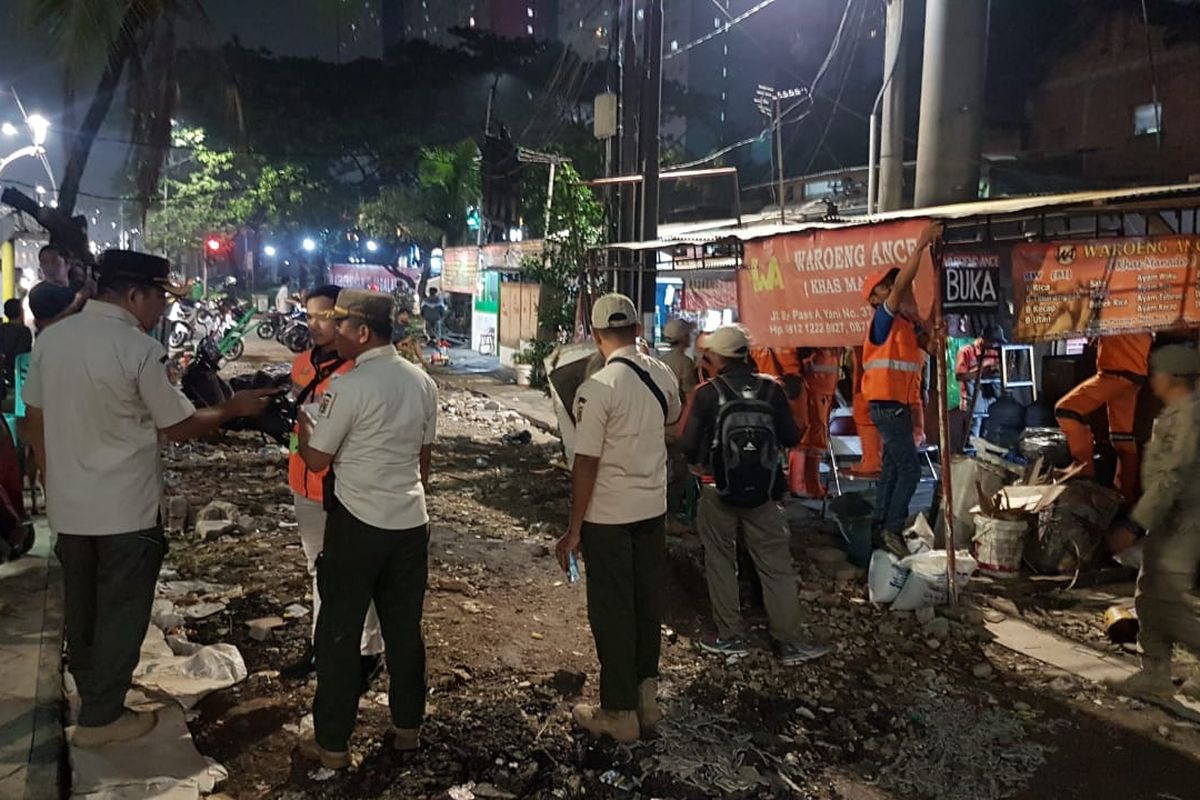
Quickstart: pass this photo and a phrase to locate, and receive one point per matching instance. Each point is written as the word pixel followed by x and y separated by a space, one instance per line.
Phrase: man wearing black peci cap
pixel 375 427
pixel 98 400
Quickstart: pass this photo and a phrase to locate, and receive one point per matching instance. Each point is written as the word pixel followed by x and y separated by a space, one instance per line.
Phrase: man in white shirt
pixel 375 426
pixel 283 297
pixel 98 401
pixel 618 510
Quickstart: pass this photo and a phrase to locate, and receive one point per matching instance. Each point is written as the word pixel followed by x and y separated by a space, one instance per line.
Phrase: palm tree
pixel 129 40
pixel 449 178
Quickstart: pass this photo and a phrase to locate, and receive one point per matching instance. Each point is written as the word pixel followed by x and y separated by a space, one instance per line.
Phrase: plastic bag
pixel 927 584
pixel 1048 444
pixel 918 537
pixel 885 577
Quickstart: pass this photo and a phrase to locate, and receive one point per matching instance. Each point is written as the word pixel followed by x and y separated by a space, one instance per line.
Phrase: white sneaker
pixel 125 728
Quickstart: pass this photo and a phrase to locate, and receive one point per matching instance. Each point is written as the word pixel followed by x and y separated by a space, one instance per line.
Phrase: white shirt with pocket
pixel 375 419
pixel 102 385
pixel 620 421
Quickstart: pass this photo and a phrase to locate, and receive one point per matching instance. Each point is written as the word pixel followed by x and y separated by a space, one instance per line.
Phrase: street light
pixel 308 244
pixel 8 129
pixel 269 251
pixel 39 126
pixel 372 245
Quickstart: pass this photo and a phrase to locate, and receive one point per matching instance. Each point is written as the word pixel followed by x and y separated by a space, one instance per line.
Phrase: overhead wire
pixel 849 66
pixel 722 30
pixel 811 85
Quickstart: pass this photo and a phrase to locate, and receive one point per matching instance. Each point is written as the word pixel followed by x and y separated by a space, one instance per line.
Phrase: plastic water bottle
pixel 572 569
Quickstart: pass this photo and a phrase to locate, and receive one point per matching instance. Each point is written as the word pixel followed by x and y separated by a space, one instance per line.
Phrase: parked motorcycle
pixel 296 336
pixel 202 383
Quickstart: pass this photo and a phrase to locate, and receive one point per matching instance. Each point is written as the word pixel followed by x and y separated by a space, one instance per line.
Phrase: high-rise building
pixel 432 20
pixel 522 19
pixel 392 22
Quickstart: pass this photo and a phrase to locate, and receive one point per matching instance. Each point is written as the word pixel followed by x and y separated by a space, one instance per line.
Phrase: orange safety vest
pixel 822 370
pixel 1126 352
pixel 301 479
pixel 892 370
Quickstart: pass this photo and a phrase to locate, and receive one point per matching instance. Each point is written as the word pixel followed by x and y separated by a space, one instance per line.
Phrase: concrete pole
pixel 895 77
pixel 649 128
pixel 952 93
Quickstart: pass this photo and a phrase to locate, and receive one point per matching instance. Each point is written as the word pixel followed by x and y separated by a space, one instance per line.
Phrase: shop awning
pixel 721 230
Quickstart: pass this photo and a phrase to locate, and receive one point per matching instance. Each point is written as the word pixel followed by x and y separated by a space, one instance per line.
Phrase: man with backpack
pixel 618 510
pixel 740 424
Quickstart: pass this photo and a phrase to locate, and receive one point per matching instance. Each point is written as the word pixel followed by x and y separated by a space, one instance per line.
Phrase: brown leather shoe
pixel 1152 682
pixel 405 740
pixel 129 726
pixel 648 712
pixel 620 725
pixel 308 748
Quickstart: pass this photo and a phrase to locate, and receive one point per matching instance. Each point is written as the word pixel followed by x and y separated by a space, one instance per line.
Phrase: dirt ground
pixel 510 652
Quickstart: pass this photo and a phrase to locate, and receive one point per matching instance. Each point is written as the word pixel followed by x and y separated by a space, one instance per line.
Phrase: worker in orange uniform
pixel 893 365
pixel 1122 364
pixel 787 366
pixel 871 463
pixel 822 368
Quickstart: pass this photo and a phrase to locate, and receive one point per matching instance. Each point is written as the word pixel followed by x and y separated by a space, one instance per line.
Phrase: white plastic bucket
pixel 885 577
pixel 999 545
pixel 927 585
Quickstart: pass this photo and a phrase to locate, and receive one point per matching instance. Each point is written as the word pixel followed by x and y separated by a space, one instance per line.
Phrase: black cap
pixel 141 267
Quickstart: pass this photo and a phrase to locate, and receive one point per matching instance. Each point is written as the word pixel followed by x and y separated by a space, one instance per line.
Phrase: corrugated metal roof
pixel 982 208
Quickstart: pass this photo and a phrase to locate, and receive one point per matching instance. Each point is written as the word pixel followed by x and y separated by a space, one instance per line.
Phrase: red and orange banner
pixel 708 294
pixel 1067 290
pixel 805 289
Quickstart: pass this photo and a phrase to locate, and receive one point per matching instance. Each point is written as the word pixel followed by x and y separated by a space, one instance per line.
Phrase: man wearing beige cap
pixel 618 506
pixel 375 427
pixel 678 335
pixel 739 425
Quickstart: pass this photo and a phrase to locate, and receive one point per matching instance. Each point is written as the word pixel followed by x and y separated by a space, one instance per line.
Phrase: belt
pixel 1132 377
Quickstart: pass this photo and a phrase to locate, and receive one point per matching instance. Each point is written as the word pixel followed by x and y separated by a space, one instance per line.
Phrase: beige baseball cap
pixel 677 331
pixel 730 341
pixel 613 311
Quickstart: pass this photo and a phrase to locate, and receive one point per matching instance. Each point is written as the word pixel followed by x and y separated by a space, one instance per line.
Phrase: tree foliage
pixel 132 43
pixel 576 226
pixel 210 191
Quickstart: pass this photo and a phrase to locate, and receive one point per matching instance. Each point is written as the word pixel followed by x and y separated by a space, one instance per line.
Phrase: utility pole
pixel 769 102
pixel 649 131
pixel 895 78
pixel 628 155
pixel 952 91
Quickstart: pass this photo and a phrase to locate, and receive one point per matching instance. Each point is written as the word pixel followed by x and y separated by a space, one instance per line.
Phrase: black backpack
pixel 745 452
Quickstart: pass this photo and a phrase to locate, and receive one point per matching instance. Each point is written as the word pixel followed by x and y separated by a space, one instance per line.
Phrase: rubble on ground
pixel 509 651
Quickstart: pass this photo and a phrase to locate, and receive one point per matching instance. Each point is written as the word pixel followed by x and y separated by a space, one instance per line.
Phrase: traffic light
pixel 473 218
pixel 213 244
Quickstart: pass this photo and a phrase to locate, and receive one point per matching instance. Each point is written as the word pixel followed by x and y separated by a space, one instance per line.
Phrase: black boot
pixel 302 668
pixel 370 667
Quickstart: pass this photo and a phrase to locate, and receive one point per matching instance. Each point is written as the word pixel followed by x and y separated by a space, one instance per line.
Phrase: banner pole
pixel 943 394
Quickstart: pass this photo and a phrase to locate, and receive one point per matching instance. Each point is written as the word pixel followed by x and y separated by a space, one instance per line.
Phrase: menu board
pixel 1065 290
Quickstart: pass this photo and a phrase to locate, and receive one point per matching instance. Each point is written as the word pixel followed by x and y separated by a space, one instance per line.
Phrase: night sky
pixel 289 27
